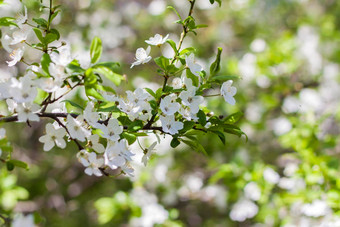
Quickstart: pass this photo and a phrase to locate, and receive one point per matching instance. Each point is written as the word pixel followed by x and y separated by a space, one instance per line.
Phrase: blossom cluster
pixel 105 128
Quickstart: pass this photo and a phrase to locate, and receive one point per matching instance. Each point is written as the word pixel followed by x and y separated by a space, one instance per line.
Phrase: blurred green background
pixel 287 55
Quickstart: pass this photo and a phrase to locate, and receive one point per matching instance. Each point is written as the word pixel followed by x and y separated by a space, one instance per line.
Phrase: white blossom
pixel 243 210
pixel 142 56
pixel 252 191
pixel 54 136
pixel 271 176
pixel 169 124
pixel 5 42
pixel 2 133
pixel 157 40
pixel 16 56
pixel 76 128
pixel 93 165
pixel 177 83
pixel 63 58
pixel 20 220
pixel 192 65
pixel 48 84
pixel 315 209
pixel 58 73
pixel 147 153
pixel 91 116
pixel 26 112
pixel 168 105
pixel 127 169
pixel 19 36
pixel 95 145
pixel 113 130
pixel 21 91
pixel 117 154
pixel 21 20
pixel 191 100
pixel 186 113
pixel 228 91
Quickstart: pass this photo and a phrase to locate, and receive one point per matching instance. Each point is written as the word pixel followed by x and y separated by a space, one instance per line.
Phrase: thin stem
pixel 166 76
pixel 50 16
pixel 37 48
pixel 212 95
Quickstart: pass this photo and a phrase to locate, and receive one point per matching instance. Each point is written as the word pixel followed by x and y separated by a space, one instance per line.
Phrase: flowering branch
pixel 107 124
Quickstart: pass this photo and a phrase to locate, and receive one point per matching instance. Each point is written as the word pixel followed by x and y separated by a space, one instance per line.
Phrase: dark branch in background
pixel 7 221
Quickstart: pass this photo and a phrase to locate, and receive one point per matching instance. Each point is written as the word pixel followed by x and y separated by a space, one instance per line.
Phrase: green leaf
pixel 159 93
pixel 41 22
pixel 131 138
pixel 173 45
pixel 111 65
pixel 136 125
pixel 194 78
pixel 39 34
pixel 108 73
pixel 90 78
pixel 187 125
pixel 73 104
pixel 19 164
pixel 92 91
pixel 75 68
pixel 202 119
pixel 187 51
pixel 174 142
pixel 55 31
pixel 50 37
pixel 45 63
pixel 54 14
pixel 124 120
pixel 95 50
pixel 220 135
pixel 201 26
pixel 218 1
pixel 215 66
pixel 151 92
pixel 195 145
pixel 162 62
pixel 109 109
pixel 172 8
pixel 10 166
pixel 223 78
pixel 7 21
pixel 233 118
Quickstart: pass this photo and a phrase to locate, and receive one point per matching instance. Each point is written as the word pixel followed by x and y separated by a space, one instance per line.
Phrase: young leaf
pixel 131 138
pixel 7 21
pixel 108 73
pixel 173 45
pixel 151 92
pixel 202 119
pixel 233 118
pixel 41 22
pixel 223 78
pixel 45 63
pixel 215 66
pixel 73 104
pixel 162 62
pixel 39 35
pixel 172 8
pixel 174 142
pixel 95 50
pixel 19 163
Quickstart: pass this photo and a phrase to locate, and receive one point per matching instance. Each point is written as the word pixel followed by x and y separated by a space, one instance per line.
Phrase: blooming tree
pixel 107 124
